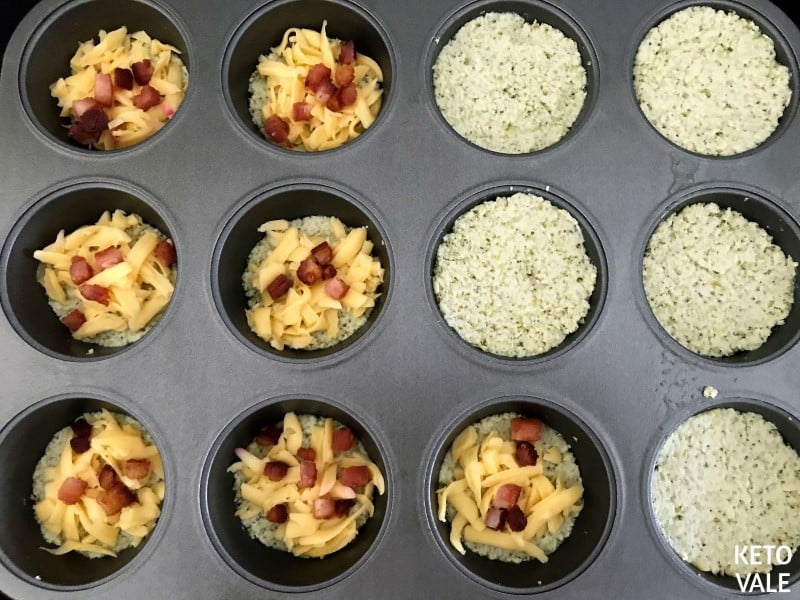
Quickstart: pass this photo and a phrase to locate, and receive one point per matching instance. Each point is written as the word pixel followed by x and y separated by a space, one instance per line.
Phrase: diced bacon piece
pixel 77 131
pixel 347 52
pixel 307 454
pixel 277 129
pixel 107 477
pixel 103 89
pixel 81 106
pixel 74 320
pixel 278 514
pixel 336 288
pixel 165 253
pixel 525 454
pixel 137 468
pixel 96 293
pixel 516 519
pixel 507 496
pixel 301 111
pixel 328 271
pixel 279 286
pixel 322 253
pixel 80 270
pixel 343 440
pixel 88 128
pixel 333 103
pixel 316 75
pixel 355 476
pixel 268 435
pixel 142 71
pixel 309 272
pixel 107 258
pixel 114 499
pixel 275 470
pixel 123 78
pixel 343 507
pixel 525 430
pixel 495 518
pixel 80 445
pixel 344 75
pixel 324 508
pixel 325 90
pixel 348 95
pixel 81 428
pixel 147 98
pixel 308 474
pixel 71 490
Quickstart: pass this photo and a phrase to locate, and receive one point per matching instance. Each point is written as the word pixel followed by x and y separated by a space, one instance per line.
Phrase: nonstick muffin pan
pixel 201 383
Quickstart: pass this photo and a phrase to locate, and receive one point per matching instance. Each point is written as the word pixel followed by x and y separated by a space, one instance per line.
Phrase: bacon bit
pixel 278 514
pixel 495 518
pixel 147 98
pixel 277 129
pixel 525 430
pixel 165 252
pixel 106 258
pixel 355 476
pixel 279 286
pixel 348 95
pixel 74 320
pixel 336 288
pixel 507 496
pixel 123 78
pixel 344 75
pixel 80 445
pixel 516 519
pixel 168 110
pixel 81 106
pixel 88 128
pixel 301 111
pixel 343 440
pixel 347 52
pixel 103 89
pixel 307 454
pixel 324 508
pixel 275 470
pixel 322 253
pixel 328 271
pixel 137 468
pixel 333 103
pixel 117 497
pixel 142 71
pixel 316 75
pixel 81 428
pixel 309 272
pixel 268 435
pixel 343 507
pixel 308 474
pixel 96 293
pixel 525 454
pixel 107 477
pixel 80 270
pixel 71 490
pixel 325 90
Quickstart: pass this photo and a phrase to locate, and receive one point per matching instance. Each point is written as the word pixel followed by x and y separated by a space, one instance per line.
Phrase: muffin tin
pixel 200 382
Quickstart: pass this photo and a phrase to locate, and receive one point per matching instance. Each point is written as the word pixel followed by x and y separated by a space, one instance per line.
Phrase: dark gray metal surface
pixel 407 377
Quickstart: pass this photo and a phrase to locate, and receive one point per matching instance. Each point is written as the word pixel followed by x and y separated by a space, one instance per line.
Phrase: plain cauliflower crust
pixel 709 81
pixel 508 85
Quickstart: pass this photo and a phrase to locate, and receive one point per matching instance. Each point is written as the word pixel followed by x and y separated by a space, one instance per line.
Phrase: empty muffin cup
pixel 24 300
pixel 22 445
pixel 268 567
pixel 591 528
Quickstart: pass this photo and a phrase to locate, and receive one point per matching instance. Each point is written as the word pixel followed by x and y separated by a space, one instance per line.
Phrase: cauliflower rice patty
pixel 513 277
pixel 709 81
pixel 715 281
pixel 722 479
pixel 508 85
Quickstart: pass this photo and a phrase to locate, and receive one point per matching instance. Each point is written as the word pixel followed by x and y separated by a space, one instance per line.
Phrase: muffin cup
pixel 591 528
pixel 268 567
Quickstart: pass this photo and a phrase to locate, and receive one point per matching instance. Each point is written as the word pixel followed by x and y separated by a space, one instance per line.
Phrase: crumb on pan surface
pixel 508 85
pixel 723 479
pixel 715 281
pixel 559 468
pixel 709 81
pixel 512 277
